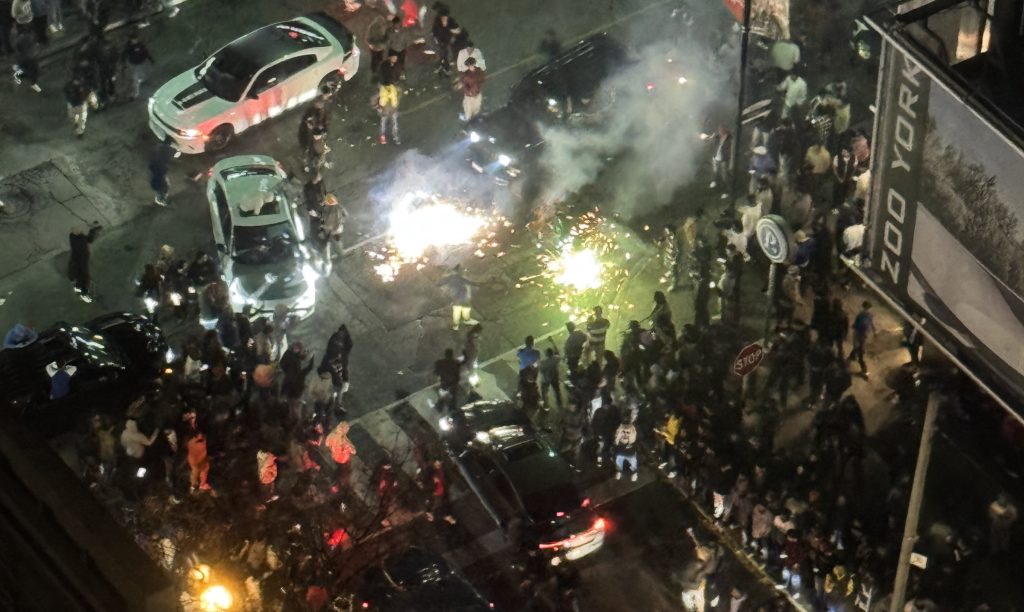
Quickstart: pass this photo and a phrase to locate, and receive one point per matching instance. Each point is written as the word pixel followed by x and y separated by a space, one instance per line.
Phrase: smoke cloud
pixel 643 139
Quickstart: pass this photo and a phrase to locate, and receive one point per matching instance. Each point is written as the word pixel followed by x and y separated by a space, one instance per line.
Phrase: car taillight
pixel 598 524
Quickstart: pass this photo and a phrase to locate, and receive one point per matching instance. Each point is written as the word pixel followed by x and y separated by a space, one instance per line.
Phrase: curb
pixel 70 42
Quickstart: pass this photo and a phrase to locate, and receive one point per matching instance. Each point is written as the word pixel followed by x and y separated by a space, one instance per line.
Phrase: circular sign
pixel 773 236
pixel 748 359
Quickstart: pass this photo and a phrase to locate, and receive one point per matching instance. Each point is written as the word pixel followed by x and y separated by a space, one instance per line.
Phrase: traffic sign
pixel 748 359
pixel 773 236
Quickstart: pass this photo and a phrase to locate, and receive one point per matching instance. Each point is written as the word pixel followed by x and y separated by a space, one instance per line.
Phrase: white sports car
pixel 252 79
pixel 264 257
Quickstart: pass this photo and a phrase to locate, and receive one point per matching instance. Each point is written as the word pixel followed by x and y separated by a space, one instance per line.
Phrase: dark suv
pixel 114 356
pixel 520 479
pixel 417 581
pixel 504 142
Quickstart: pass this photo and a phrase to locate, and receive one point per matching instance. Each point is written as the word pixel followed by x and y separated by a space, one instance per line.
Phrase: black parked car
pixel 418 581
pixel 521 480
pixel 503 143
pixel 114 356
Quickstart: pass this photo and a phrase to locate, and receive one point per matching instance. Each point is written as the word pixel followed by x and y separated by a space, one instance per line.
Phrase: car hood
pixel 284 280
pixel 184 101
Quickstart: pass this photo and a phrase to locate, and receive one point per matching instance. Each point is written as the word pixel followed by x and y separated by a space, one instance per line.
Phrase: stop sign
pixel 748 359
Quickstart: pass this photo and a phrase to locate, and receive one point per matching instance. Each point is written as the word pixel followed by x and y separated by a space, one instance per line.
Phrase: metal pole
pixel 924 452
pixel 734 161
pixel 773 269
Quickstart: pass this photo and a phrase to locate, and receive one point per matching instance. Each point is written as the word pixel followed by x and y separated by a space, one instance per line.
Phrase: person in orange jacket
pixel 198 462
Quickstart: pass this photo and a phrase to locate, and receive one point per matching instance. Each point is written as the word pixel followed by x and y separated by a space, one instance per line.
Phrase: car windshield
pixel 95 347
pixel 227 74
pixel 264 244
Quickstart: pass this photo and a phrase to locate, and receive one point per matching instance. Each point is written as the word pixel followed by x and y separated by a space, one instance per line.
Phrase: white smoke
pixel 647 142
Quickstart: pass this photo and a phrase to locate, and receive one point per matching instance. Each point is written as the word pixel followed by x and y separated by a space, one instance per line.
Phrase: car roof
pixel 245 175
pixel 488 415
pixel 272 42
pixel 545 482
pixel 577 71
pixel 428 582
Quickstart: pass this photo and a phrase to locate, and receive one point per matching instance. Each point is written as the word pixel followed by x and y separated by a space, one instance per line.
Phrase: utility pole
pixel 924 452
pixel 734 162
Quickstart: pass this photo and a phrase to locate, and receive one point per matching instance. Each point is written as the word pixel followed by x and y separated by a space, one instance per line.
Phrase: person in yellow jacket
pixel 667 434
pixel 386 103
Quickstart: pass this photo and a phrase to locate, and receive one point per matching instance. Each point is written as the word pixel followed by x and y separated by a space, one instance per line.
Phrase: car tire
pixel 220 137
pixel 332 81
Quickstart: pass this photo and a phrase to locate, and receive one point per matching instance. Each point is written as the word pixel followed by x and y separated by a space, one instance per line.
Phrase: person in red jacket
pixel 472 80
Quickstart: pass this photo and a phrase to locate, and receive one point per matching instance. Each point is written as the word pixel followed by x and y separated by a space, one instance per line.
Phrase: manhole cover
pixel 14 202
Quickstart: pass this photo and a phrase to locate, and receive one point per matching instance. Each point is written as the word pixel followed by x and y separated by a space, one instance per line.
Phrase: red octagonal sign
pixel 748 359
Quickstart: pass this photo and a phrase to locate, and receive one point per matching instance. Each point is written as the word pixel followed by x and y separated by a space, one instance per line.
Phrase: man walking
pixel 136 55
pixel 863 324
pixel 447 369
pixel 78 264
pixel 472 79
pixel 332 223
pixel 26 66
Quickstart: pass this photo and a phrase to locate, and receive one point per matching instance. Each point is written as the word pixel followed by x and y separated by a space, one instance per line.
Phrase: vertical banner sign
pixel 898 170
pixel 736 8
pixel 768 18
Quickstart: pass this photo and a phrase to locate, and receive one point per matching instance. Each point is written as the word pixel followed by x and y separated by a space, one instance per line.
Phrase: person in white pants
pixel 472 80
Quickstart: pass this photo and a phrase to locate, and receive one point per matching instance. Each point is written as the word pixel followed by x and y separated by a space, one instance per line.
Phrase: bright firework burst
pixel 421 223
pixel 580 262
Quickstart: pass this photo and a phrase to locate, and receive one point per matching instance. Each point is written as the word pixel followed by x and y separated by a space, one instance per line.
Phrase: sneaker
pixel 672 474
pixel 633 477
pixel 663 465
pixel 36 88
pixel 396 141
pixel 86 298
pixel 618 475
pixel 160 201
pixel 383 139
pixel 174 13
pixel 599 461
pixel 712 184
pixel 143 24
pixel 451 519
pixel 52 28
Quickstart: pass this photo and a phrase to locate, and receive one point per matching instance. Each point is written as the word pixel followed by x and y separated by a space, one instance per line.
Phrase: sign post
pixel 773 235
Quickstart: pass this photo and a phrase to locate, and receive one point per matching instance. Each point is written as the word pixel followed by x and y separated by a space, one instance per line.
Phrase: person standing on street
pixel 574 346
pixel 1002 515
pixel 391 71
pixel 447 369
pixel 472 80
pixel 6 25
pixel 399 40
pixel 78 264
pixel 294 384
pixel 377 42
pixel 387 107
pixel 77 95
pixel 625 448
pixel 549 378
pixel 159 167
pixel 597 330
pixel 26 66
pixel 470 51
pixel 316 152
pixel 863 324
pixel 332 223
pixel 339 347
pixel 136 55
pixel 444 30
pixel 461 290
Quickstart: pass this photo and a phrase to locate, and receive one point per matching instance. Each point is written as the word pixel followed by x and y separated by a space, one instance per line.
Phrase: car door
pixel 277 88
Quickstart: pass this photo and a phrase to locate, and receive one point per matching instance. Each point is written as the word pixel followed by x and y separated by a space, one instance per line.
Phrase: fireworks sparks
pixel 580 262
pixel 421 223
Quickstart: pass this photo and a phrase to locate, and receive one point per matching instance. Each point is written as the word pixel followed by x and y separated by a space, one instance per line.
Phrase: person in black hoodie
pixel 78 264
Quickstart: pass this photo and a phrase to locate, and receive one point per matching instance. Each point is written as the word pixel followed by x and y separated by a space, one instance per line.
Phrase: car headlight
pixel 309 274
pixel 474 137
pixel 504 160
pixel 190 133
